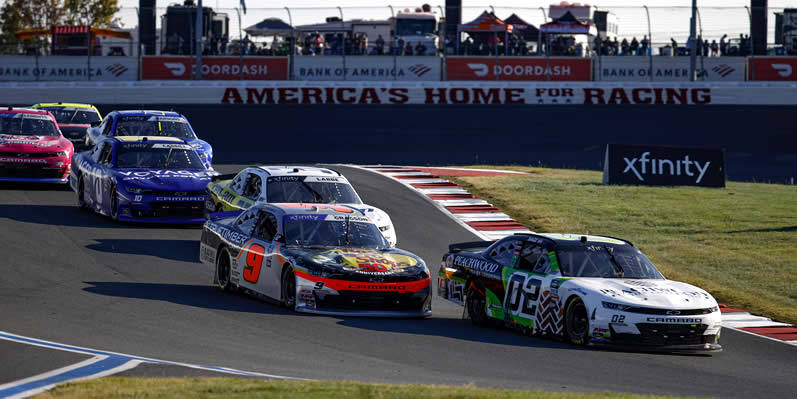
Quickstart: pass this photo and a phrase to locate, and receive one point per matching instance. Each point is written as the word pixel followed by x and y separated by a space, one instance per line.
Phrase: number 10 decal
pixel 254 260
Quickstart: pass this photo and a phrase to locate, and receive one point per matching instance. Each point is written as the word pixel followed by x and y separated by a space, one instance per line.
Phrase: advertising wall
pixel 67 68
pixel 367 68
pixel 215 68
pixel 518 69
pixel 772 68
pixel 664 166
pixel 668 69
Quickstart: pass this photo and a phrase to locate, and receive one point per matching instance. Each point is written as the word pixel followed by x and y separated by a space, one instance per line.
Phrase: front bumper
pixel 36 180
pixel 44 170
pixel 345 298
pixel 148 209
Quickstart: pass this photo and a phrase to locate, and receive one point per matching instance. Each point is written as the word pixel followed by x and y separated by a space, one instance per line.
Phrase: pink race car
pixel 32 148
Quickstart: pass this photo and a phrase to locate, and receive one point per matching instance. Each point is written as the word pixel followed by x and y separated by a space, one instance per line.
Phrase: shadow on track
pixel 199 296
pixel 72 216
pixel 459 329
pixel 179 250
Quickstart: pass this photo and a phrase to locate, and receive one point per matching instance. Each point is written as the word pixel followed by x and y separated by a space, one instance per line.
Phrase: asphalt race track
pixel 77 278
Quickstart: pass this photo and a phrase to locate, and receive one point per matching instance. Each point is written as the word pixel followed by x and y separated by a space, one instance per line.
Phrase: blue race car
pixel 149 123
pixel 145 179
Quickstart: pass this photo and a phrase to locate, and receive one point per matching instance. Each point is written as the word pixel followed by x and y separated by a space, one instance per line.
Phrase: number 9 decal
pixel 254 260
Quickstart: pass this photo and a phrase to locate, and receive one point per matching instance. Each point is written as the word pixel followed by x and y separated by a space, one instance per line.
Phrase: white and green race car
pixel 587 289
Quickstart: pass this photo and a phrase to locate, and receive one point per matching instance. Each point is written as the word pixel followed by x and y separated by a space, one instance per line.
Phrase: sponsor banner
pixel 772 68
pixel 399 93
pixel 668 69
pixel 367 68
pixel 67 68
pixel 663 166
pixel 215 68
pixel 517 68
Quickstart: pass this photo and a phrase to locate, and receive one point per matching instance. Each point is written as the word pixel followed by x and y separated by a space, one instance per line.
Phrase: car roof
pixel 15 110
pixel 141 112
pixel 569 239
pixel 154 139
pixel 275 170
pixel 67 105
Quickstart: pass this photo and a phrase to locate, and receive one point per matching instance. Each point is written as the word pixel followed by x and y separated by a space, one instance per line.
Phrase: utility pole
pixel 692 43
pixel 198 35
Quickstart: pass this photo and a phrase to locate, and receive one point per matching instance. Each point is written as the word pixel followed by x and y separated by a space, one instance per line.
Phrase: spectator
pixel 408 49
pixel 364 44
pixel 715 48
pixel 705 48
pixel 634 46
pixel 318 44
pixel 245 45
pixel 625 46
pixel 224 42
pixel 723 45
pixel 645 45
pixel 380 45
pixel 400 46
pixel 674 45
pixel 468 46
pixel 214 45
pixel 420 49
pixel 348 42
pixel 616 46
pixel 699 46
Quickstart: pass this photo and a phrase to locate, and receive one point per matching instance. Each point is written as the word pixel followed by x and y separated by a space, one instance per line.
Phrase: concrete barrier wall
pixel 761 142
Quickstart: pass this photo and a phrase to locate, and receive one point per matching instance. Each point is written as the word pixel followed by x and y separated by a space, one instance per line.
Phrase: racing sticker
pixel 23 160
pixel 550 315
pixel 336 208
pixel 207 254
pixel 174 146
pixel 370 262
pixel 25 116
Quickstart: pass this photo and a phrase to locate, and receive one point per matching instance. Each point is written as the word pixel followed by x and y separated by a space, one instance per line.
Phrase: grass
pixel 200 388
pixel 739 243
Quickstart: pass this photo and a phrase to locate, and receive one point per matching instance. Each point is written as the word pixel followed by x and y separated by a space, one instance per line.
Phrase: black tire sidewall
pixel 288 273
pixel 114 203
pixel 569 316
pixel 224 254
pixel 478 316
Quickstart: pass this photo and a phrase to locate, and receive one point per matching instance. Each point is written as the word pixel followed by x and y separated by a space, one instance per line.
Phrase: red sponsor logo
pixel 772 68
pixel 215 68
pixel 504 68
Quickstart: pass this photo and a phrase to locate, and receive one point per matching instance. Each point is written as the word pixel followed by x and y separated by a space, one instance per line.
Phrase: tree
pixel 17 15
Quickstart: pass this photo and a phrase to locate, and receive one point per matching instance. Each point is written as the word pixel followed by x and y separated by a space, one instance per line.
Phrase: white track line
pixel 461 202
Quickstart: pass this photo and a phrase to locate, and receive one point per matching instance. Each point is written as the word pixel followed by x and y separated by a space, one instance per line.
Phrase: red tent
pixel 486 22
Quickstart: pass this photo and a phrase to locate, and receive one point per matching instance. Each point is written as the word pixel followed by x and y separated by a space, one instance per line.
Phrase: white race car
pixel 588 289
pixel 291 184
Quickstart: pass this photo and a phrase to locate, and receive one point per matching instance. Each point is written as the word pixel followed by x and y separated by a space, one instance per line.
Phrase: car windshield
pixel 27 125
pixel 295 189
pixel 607 261
pixel 332 233
pixel 82 116
pixel 157 156
pixel 153 126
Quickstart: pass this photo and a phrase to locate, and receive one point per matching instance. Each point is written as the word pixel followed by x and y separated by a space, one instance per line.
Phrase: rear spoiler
pixel 225 214
pixel 228 176
pixel 459 247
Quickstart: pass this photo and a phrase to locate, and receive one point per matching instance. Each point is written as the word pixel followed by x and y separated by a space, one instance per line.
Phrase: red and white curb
pixel 474 214
pixel 489 223
pixel 740 320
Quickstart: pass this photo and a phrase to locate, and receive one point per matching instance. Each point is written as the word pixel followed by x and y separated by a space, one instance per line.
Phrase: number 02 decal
pixel 254 260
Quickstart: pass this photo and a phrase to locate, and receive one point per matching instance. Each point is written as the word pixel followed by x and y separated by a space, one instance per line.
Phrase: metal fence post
pixel 198 38
pixel 650 45
pixel 392 40
pixel 291 44
pixel 750 63
pixel 343 25
pixel 701 47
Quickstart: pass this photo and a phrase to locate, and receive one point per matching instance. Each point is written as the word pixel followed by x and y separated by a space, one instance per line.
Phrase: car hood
pixel 20 143
pixel 665 294
pixel 165 179
pixel 360 262
pixel 378 216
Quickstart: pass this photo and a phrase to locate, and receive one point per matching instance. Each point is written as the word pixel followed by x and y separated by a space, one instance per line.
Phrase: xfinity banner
pixel 669 69
pixel 367 68
pixel 67 68
pixel 663 166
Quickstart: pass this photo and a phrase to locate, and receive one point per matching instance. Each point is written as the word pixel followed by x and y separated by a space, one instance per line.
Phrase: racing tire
pixel 577 322
pixel 477 306
pixel 114 203
pixel 288 288
pixel 223 271
pixel 81 193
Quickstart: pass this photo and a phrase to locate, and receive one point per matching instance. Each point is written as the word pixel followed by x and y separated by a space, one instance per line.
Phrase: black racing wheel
pixel 577 322
pixel 223 270
pixel 477 305
pixel 288 288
